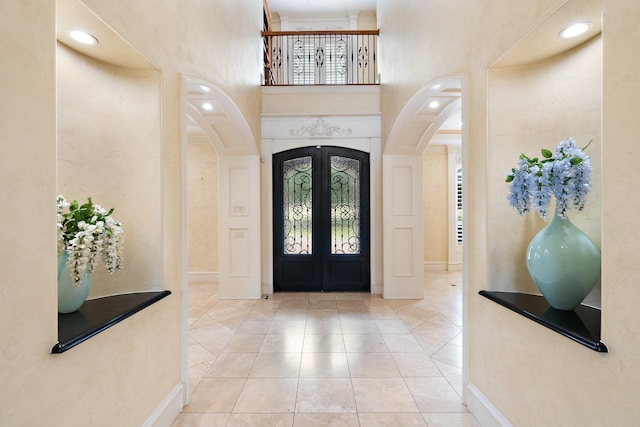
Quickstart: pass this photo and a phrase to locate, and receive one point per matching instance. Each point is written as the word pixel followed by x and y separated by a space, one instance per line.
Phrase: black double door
pixel 321 220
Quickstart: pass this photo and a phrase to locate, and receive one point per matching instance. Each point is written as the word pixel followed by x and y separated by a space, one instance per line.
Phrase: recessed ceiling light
pixel 205 88
pixel 575 30
pixel 82 37
pixel 436 86
pixel 434 104
pixel 207 106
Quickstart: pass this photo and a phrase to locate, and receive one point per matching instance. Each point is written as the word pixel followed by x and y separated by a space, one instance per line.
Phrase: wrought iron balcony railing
pixel 320 57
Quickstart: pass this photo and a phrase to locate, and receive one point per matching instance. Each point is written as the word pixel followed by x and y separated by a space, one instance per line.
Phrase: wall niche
pixel 109 149
pixel 542 91
pixel 109 143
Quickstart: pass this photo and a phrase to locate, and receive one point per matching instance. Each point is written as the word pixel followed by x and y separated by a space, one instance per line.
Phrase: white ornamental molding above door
pixel 320 128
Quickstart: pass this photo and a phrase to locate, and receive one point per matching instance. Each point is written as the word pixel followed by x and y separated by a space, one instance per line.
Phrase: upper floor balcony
pixel 296 58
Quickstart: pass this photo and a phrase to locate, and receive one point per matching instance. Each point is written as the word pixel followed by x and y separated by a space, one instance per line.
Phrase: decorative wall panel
pixel 239 191
pixel 402 196
pixel 403 251
pixel 240 248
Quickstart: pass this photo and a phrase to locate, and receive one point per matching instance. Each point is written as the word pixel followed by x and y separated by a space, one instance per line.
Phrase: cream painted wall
pixel 28 318
pixel 124 374
pixel 202 208
pixel 529 374
pixel 620 130
pixel 100 382
pixel 109 150
pixel 215 41
pixel 423 41
pixel 435 200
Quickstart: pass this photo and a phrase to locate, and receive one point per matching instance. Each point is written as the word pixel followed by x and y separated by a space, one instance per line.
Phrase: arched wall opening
pixel 435 115
pixel 428 131
pixel 219 200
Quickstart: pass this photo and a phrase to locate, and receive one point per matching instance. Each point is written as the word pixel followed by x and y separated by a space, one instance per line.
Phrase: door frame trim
pixel 365 137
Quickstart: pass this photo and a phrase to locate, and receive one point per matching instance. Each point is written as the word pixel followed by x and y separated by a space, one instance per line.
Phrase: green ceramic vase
pixel 564 263
pixel 70 295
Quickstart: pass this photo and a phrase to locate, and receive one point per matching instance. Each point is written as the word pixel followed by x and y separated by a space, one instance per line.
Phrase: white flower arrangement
pixel 86 232
pixel 565 174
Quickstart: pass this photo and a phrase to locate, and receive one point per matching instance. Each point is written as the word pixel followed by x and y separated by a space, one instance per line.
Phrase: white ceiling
pixel 321 6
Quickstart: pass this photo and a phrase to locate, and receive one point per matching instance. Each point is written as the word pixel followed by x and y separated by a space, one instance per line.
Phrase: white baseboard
pixel 442 266
pixel 435 266
pixel 483 410
pixel 376 288
pixel 168 410
pixel 267 288
pixel 454 266
pixel 203 276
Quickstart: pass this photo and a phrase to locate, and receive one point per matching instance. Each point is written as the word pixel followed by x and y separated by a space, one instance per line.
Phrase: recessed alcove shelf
pixel 582 325
pixel 98 314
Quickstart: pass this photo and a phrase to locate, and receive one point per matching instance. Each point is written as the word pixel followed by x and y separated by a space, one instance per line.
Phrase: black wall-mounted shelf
pixel 581 325
pixel 98 314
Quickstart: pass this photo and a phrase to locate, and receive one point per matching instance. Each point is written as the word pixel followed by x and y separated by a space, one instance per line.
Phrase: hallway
pixel 312 359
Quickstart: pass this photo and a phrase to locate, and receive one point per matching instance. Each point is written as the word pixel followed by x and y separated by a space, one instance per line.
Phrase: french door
pixel 321 220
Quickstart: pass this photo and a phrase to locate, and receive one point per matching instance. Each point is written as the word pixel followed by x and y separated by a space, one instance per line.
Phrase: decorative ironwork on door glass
pixel 345 205
pixel 297 206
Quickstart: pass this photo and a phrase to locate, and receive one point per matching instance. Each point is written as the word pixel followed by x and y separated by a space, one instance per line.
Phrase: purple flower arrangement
pixel 564 174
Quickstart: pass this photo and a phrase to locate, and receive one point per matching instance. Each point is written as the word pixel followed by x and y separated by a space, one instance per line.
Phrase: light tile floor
pixel 327 359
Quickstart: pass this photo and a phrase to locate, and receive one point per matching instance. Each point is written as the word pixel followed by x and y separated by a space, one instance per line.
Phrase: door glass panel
pixel 297 202
pixel 345 205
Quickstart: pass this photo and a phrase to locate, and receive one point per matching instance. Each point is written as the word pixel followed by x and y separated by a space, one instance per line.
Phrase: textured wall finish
pixel 202 210
pixel 435 200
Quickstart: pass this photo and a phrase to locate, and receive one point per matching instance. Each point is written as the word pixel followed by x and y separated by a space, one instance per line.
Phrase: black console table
pixel 582 325
pixel 98 314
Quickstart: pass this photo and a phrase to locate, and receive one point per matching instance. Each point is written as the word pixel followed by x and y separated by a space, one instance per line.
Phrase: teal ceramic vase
pixel 70 295
pixel 564 263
